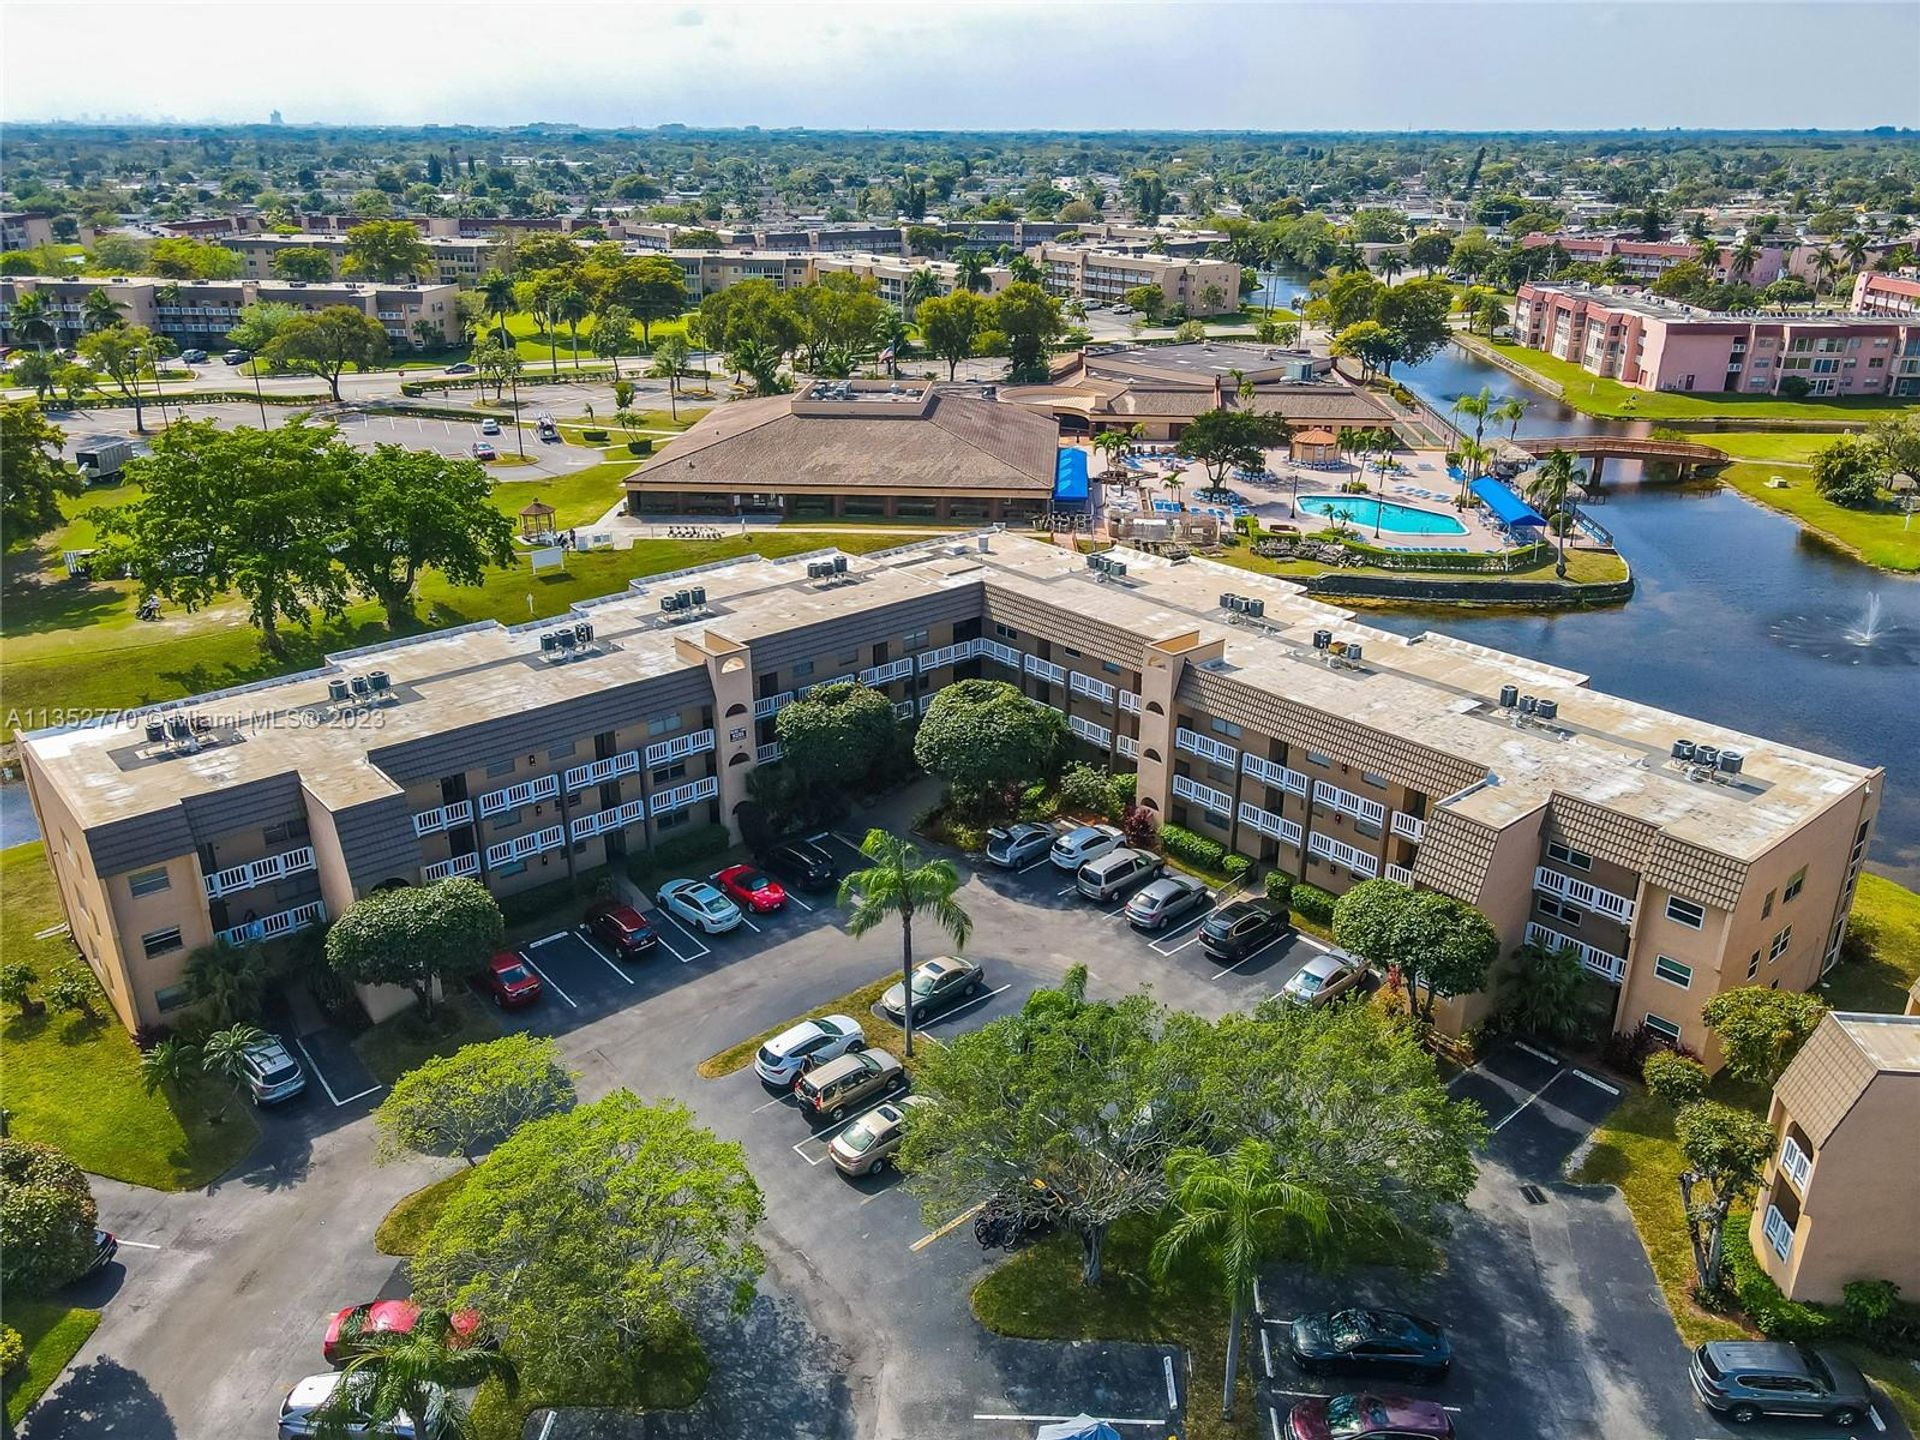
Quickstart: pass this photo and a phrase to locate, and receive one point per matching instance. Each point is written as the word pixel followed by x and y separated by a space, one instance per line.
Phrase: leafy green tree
pixel 418 1373
pixel 1031 320
pixel 590 1233
pixel 181 257
pixel 1725 1150
pixel 416 936
pixel 34 477
pixel 17 979
pixel 753 310
pixel 949 325
pixel 128 355
pixel 1677 1079
pixel 1544 994
pixel 223 1055
pixel 1897 439
pixel 171 1065
pixel 1149 301
pixel 227 982
pixel 653 288
pixel 570 306
pixel 38 372
pixel 460 1104
pixel 496 364
pixel 410 510
pixel 833 739
pixel 988 741
pixel 1223 440
pixel 1432 250
pixel 387 250
pixel 1761 1029
pixel 613 335
pixel 325 342
pixel 1788 290
pixel 760 363
pixel 1415 314
pixel 1440 945
pixel 47 1216
pixel 73 988
pixel 302 262
pixel 259 324
pixel 900 885
pixel 1369 342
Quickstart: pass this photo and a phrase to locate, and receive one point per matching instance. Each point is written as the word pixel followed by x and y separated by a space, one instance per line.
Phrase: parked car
pixel 810 1043
pixel 1018 845
pixel 484 451
pixel 1368 1417
pixel 194 357
pixel 699 904
pixel 1323 979
pixel 509 981
pixel 271 1073
pixel 867 1145
pixel 105 1246
pixel 1084 843
pixel 1369 1341
pixel 461 368
pixel 300 1415
pixel 1117 872
pixel 938 984
pixel 752 888
pixel 490 426
pixel 387 1317
pixel 803 864
pixel 1743 1380
pixel 628 933
pixel 235 357
pixel 1158 905
pixel 1237 930
pixel 838 1088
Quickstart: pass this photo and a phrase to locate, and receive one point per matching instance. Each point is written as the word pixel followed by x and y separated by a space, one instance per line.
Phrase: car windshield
pixel 513 975
pixel 752 880
pixel 925 978
pixel 1350 1327
pixel 712 903
pixel 860 1137
pixel 1354 1415
pixel 1306 982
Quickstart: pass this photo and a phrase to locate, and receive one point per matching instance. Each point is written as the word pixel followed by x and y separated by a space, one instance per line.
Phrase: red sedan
pixel 386 1317
pixel 752 889
pixel 509 981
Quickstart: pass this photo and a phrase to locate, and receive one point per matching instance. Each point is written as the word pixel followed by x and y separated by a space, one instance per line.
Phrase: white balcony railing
pixel 468 864
pixel 495 802
pixel 1000 654
pixel 1216 802
pixel 272 927
pixel 771 704
pixel 947 655
pixel 767 753
pixel 1399 874
pixel 1583 893
pixel 1048 671
pixel 904 709
pixel 614 817
pixel 1279 776
pixel 1778 1232
pixel 1277 827
pixel 665 802
pixel 846 679
pixel 1605 965
pixel 627 762
pixel 1130 701
pixel 1795 1163
pixel 1205 746
pixel 887 673
pixel 663 752
pixel 534 842
pixel 1094 734
pixel 432 822
pixel 926 701
pixel 1409 826
pixel 258 872
pixel 1128 746
pixel 1341 853
pixel 1079 684
pixel 1346 802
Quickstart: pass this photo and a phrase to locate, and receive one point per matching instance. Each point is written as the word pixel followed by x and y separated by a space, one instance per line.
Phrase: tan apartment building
pixel 1192 286
pixel 25 229
pixel 891 274
pixel 456 260
pixel 493 752
pixel 1840 1200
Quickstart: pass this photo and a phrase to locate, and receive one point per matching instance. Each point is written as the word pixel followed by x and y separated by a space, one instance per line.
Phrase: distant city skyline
pixel 942 66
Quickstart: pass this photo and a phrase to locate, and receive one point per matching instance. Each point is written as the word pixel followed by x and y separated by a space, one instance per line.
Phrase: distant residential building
pixel 25 229
pixel 1840 1200
pixel 1875 293
pixel 456 260
pixel 1655 344
pixel 1191 286
pixel 1647 260
pixel 891 273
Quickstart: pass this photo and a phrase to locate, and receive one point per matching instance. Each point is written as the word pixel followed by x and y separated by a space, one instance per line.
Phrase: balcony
pixel 521 846
pixel 1048 671
pixel 1795 1163
pixel 1600 962
pixel 1399 874
pixel 495 802
pixel 433 822
pixel 1205 747
pixel 1078 684
pixel 1277 827
pixel 663 752
pixel 468 864
pixel 1347 803
pixel 886 674
pixel 1215 802
pixel 926 703
pixel 1128 746
pixel 1000 654
pixel 272 927
pixel 1409 827
pixel 904 709
pixel 1279 776
pixel 767 753
pixel 846 679
pixel 1094 734
pixel 259 872
pixel 665 802
pixel 771 704
pixel 627 762
pixel 947 655
pixel 1580 892
pixel 614 817
pixel 1338 852
pixel 1778 1232
pixel 1130 702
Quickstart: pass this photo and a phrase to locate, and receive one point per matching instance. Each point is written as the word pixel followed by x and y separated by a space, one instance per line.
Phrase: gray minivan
pixel 1116 872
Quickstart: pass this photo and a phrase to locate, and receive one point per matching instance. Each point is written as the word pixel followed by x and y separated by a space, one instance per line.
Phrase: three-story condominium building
pixel 1675 858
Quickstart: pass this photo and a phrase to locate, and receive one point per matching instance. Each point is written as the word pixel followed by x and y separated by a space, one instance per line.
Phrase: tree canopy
pixel 834 738
pixel 1440 945
pixel 1031 320
pixel 1760 1029
pixel 47 1216
pixel 459 1104
pixel 949 325
pixel 985 739
pixel 387 250
pixel 325 342
pixel 413 509
pixel 34 477
pixel 1224 440
pixel 415 935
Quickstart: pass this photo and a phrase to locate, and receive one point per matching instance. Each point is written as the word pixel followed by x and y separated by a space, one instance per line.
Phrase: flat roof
pixel 1891 1042
pixel 1656 308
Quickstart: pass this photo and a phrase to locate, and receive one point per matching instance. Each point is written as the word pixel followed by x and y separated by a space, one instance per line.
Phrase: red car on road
pixel 386 1317
pixel 752 889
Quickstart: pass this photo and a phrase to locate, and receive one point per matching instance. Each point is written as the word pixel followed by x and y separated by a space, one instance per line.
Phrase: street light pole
pixel 253 364
pixel 519 435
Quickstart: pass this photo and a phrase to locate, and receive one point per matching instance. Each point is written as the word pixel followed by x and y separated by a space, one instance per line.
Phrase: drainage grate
pixel 1533 1195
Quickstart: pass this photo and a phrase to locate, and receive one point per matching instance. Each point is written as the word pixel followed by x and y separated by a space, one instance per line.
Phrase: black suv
pixel 803 864
pixel 1242 928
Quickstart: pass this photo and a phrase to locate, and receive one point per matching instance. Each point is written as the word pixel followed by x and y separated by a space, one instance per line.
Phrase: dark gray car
pixel 1746 1379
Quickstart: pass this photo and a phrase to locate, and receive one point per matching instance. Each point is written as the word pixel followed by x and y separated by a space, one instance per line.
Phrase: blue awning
pixel 1508 508
pixel 1070 477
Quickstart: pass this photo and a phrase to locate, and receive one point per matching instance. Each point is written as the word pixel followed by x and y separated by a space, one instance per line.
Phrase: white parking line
pixel 748 922
pixel 699 945
pixel 1320 1395
pixel 1258 1308
pixel 1526 1102
pixel 358 1095
pixel 1273 1419
pixel 985 995
pixel 1173 1394
pixel 1538 1054
pixel 1252 955
pixel 1058 1419
pixel 548 939
pixel 1033 865
pixel 587 941
pixel 1266 1352
pixel 825 1137
pixel 1873 1414
pixel 547 979
pixel 798 901
pixel 786 1099
pixel 1594 1081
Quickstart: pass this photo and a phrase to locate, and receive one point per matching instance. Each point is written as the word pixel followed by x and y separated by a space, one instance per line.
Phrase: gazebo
pixel 1315 447
pixel 536 518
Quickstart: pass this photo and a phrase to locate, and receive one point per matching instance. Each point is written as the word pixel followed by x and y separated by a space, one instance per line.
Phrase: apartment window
pixel 1662 1027
pixel 672 820
pixel 1685 912
pixel 916 640
pixel 563 752
pixel 664 725
pixel 1753 966
pixel 512 867
pixel 667 774
pixel 286 830
pixel 1780 943
pixel 1560 910
pixel 1314 757
pixel 161 942
pixel 1379 782
pixel 1224 727
pixel 149 882
pixel 1109 667
pixel 848 657
pixel 1072 653
pixel 171 997
pixel 1672 971
pixel 1005 632
pixel 1795 885
pixel 802 670
pixel 1368 828
pixel 1568 856
pixel 1766 907
pixel 499 768
pixel 506 820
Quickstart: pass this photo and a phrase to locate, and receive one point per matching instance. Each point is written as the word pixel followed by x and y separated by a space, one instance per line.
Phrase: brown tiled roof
pixel 1839 1061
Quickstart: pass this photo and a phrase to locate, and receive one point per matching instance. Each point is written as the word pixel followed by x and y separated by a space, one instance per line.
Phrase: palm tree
pixel 900 883
pixel 664 369
pixel 970 269
pixel 922 284
pixel 1550 490
pixel 100 311
pixel 892 339
pixel 1239 1211
pixel 572 305
pixel 1480 408
pixel 33 319
pixel 1022 269
pixel 1391 263
pixel 1512 410
pixel 1826 265
pixel 500 301
pixel 1706 250
pixel 170 1066
pixel 227 980
pixel 1745 256
pixel 1854 247
pixel 225 1055
pixel 417 1372
pixel 1111 443
pixel 760 361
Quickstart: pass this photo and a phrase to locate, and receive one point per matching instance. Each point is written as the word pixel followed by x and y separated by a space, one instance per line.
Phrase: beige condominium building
pixel 1192 286
pixel 1846 1122
pixel 1280 726
pixel 455 260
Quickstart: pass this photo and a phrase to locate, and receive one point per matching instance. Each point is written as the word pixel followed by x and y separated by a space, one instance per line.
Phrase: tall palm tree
pixel 33 319
pixel 1391 263
pixel 1854 247
pixel 100 311
pixel 970 269
pixel 417 1372
pixel 1706 250
pixel 665 369
pixel 1478 408
pixel 899 883
pixel 892 339
pixel 1745 256
pixel 922 284
pixel 1110 443
pixel 1825 265
pixel 1551 490
pixel 224 1055
pixel 500 301
pixel 571 305
pixel 1239 1211
pixel 1512 410
pixel 227 981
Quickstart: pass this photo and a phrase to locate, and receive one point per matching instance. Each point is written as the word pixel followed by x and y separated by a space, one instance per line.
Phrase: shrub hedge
pixel 679 851
pixel 1190 849
pixel 1279 887
pixel 1310 902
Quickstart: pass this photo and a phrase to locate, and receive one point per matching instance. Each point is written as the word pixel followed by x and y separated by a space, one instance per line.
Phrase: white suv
pixel 1087 842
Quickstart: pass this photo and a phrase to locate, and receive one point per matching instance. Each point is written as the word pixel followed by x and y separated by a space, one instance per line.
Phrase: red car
pixel 1369 1417
pixel 509 981
pixel 752 889
pixel 630 934
pixel 387 1317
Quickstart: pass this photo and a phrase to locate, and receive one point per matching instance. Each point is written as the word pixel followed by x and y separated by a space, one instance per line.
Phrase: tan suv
pixel 840 1087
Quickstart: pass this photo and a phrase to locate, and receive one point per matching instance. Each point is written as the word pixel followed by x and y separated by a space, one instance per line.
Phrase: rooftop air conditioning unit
pixel 1255 608
pixel 1547 709
pixel 1323 640
pixel 1509 696
pixel 1682 751
pixel 1731 761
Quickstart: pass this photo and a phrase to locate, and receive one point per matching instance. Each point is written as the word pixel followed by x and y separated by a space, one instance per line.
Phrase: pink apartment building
pixel 1647 260
pixel 1655 344
pixel 1892 295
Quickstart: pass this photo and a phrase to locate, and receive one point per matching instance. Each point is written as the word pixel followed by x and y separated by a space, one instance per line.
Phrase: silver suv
pixel 1746 1379
pixel 1116 872
pixel 272 1074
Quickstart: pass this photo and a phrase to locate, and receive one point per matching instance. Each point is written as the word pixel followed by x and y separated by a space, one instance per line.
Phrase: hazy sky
pixel 1547 64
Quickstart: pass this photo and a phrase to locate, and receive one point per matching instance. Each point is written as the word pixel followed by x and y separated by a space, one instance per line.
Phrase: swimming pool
pixel 1363 512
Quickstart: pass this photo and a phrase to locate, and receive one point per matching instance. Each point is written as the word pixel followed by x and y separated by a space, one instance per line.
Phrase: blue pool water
pixel 1362 512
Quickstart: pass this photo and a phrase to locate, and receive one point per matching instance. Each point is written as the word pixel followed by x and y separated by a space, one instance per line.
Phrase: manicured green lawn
pixel 532 344
pixel 76 1083
pixel 1886 922
pixel 1881 537
pixel 53 1334
pixel 857 1003
pixel 1783 447
pixel 402 1042
pixel 405 1228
